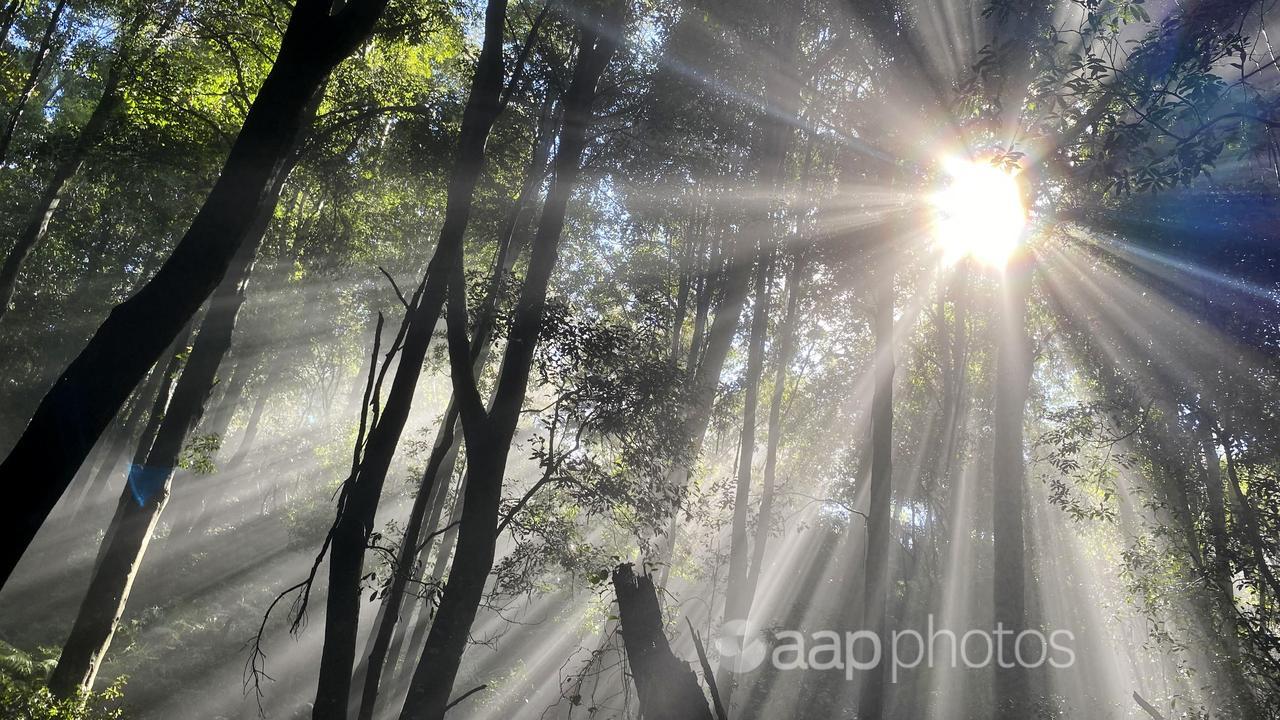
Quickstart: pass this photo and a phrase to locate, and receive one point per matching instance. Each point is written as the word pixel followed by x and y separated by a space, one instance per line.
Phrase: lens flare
pixel 979 213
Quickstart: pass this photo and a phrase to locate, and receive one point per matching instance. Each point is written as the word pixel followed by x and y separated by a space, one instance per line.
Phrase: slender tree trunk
pixel 439 493
pixel 1217 514
pixel 93 387
pixel 232 392
pixel 488 434
pixel 785 348
pixel 33 79
pixel 253 425
pixel 388 634
pixel 150 483
pixel 1013 380
pixel 685 283
pixel 38 223
pixel 360 503
pixel 99 465
pixel 1245 702
pixel 956 374
pixel 158 408
pixel 445 448
pixel 702 307
pixel 439 569
pixel 875 599
pixel 737 602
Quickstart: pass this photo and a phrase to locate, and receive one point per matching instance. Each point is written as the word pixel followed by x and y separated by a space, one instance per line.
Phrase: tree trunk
pixel 737 602
pixel 1217 513
pixel 1013 380
pixel 445 449
pixel 955 374
pixel 91 390
pixel 488 435
pixel 391 663
pixel 665 685
pixel 253 425
pixel 785 347
pixel 424 514
pixel 232 390
pixel 177 362
pixel 875 599
pixel 150 482
pixel 702 306
pixel 360 503
pixel 115 450
pixel 439 568
pixel 33 79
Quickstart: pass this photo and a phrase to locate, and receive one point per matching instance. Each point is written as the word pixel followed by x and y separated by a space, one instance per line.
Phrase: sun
pixel 979 213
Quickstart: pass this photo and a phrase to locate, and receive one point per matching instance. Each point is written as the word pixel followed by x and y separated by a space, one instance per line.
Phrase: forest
pixel 639 359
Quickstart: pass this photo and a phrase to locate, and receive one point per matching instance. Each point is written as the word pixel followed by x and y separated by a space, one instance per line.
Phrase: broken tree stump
pixel 667 687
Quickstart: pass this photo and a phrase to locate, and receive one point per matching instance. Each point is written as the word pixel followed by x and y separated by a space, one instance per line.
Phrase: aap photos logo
pixel 744 648
pixel 740 647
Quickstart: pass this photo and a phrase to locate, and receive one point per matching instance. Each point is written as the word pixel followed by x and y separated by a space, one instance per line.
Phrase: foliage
pixel 24 697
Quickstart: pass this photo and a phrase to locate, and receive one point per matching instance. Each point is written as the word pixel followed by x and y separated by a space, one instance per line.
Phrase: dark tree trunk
pixel 408 563
pixel 1013 379
pixel 439 568
pixel 162 396
pixel 360 498
pixel 875 599
pixel 421 580
pixel 687 281
pixel 785 347
pixel 33 79
pixel 488 434
pixel 150 482
pixel 91 390
pixel 666 686
pixel 1249 521
pixel 702 307
pixel 231 395
pixel 1221 573
pixel 157 388
pixel 737 602
pixel 445 448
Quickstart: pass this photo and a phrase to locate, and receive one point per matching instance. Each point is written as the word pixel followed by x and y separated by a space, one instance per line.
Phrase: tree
pixel 126 59
pixel 487 433
pixel 94 386
pixel 359 501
